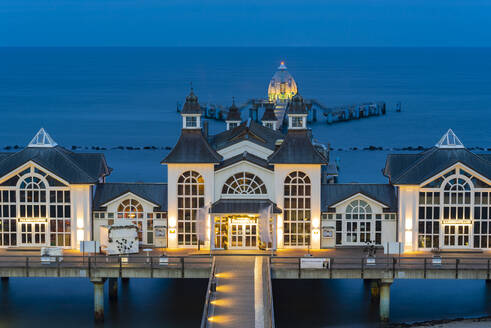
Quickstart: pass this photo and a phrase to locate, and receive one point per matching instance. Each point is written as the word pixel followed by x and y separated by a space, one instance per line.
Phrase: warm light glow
pixel 225 275
pixel 172 222
pixel 408 238
pixel 80 223
pixel 80 236
pixel 222 302
pixel 315 223
pixel 225 288
pixel 409 223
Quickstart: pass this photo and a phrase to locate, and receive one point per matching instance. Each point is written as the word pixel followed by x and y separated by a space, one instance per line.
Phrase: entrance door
pixel 456 236
pixel 32 234
pixel 243 235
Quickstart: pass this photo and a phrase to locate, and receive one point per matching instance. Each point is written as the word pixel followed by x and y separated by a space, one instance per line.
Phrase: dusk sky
pixel 245 23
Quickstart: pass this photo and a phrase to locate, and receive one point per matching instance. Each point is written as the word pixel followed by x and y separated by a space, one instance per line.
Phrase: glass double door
pixel 243 235
pixel 456 235
pixel 33 234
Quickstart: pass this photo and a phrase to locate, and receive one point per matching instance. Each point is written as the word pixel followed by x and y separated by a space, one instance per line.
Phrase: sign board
pixel 314 263
pixel 89 246
pixel 393 248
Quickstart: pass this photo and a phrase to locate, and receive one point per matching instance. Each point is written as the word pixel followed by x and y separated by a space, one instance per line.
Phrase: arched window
pixel 244 183
pixel 130 209
pixel 47 202
pixel 457 199
pixel 190 197
pixel 32 195
pixel 297 215
pixel 358 222
pixel 358 209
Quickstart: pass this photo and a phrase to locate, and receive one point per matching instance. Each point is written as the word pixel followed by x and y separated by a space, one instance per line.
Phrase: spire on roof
pixel 42 139
pixel 449 140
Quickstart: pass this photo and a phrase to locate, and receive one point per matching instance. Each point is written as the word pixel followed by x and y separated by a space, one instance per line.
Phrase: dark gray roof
pixel 332 193
pixel 75 168
pixel 249 130
pixel 416 168
pixel 242 206
pixel 297 106
pixel 233 113
pixel 245 156
pixel 269 114
pixel 191 106
pixel 155 193
pixel 297 149
pixel 192 147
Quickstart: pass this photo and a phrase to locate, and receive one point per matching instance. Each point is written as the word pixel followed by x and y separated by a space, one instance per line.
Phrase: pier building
pixel 250 186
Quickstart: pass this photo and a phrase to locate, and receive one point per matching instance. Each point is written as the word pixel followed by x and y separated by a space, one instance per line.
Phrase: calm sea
pixel 111 97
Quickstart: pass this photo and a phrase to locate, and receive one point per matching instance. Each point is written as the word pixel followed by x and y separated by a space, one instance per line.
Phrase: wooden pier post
pixel 385 299
pixel 113 289
pixel 5 279
pixel 98 299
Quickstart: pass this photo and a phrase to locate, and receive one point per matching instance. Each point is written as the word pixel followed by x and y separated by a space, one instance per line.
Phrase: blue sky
pixel 245 23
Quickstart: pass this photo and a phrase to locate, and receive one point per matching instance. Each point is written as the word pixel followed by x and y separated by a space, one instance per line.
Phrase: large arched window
pixel 130 209
pixel 358 222
pixel 244 183
pixel 297 215
pixel 43 200
pixel 190 197
pixel 32 195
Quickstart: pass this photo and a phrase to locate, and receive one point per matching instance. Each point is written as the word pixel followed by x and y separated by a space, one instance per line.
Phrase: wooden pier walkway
pixel 242 297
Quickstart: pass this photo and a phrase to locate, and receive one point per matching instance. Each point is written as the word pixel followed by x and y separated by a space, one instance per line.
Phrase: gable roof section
pixel 192 147
pixel 245 156
pixel 155 193
pixel 75 168
pixel 297 149
pixel 333 193
pixel 249 130
pixel 413 169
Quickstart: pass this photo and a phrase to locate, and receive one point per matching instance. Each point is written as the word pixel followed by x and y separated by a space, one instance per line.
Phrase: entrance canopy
pixel 243 206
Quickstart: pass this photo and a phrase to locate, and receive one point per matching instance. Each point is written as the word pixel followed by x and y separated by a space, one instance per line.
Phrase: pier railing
pixel 384 267
pixel 210 294
pixel 105 266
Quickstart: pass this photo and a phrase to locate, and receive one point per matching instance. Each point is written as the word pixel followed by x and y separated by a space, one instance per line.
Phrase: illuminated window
pixel 244 183
pixel 455 205
pixel 190 198
pixel 297 193
pixel 360 226
pixel 132 209
pixel 297 122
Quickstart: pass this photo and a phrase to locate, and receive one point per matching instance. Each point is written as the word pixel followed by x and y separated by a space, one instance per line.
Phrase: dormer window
pixel 232 125
pixel 297 122
pixel 270 125
pixel 191 122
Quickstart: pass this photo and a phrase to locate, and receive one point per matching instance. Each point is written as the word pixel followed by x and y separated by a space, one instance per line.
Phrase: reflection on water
pixel 55 302
pixel 346 303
